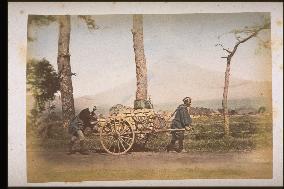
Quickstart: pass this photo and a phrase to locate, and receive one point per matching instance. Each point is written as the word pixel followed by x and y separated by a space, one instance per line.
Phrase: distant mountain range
pixel 216 104
pixel 168 85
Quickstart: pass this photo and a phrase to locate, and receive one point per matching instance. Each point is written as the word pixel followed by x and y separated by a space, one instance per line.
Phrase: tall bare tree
pixel 64 69
pixel 241 37
pixel 140 61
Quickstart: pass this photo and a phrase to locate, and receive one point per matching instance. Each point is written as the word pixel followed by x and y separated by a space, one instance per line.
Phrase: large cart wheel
pixel 117 137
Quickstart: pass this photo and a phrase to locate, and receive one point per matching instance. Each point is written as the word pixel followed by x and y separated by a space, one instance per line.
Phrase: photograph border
pixel 17 47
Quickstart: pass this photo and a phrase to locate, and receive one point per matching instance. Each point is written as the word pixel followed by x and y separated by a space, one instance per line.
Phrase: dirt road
pixel 58 166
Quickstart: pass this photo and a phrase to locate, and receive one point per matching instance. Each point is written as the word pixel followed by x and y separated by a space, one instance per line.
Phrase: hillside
pixel 168 87
pixel 169 84
pixel 217 103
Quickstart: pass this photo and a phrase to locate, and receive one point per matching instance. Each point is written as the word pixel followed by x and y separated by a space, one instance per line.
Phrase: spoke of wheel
pixel 118 128
pixel 114 127
pixel 126 142
pixel 107 138
pixel 111 144
pixel 121 144
pixel 126 137
pixel 108 145
pixel 127 131
pixel 118 146
pixel 110 148
pixel 122 129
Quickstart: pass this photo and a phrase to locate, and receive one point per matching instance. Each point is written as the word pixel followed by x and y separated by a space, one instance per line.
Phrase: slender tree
pixel 64 69
pixel 140 61
pixel 63 59
pixel 241 37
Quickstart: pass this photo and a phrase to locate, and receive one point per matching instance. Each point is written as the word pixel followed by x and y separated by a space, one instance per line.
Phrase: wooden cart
pixel 119 133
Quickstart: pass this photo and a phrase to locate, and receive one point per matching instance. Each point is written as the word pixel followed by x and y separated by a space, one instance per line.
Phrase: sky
pixel 104 58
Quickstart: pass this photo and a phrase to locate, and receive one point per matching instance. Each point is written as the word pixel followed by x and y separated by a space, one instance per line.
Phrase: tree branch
pixel 227 50
pixel 254 32
pixel 247 38
pixel 237 37
pixel 90 22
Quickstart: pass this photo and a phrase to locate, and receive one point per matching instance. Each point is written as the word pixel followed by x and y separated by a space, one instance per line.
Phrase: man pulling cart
pixel 182 120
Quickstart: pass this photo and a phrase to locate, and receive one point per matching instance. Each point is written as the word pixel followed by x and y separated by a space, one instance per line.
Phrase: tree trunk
pixel 64 69
pixel 227 73
pixel 141 68
pixel 225 100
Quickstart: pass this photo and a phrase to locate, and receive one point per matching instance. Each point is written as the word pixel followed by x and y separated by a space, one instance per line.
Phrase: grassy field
pixel 248 132
pixel 247 153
